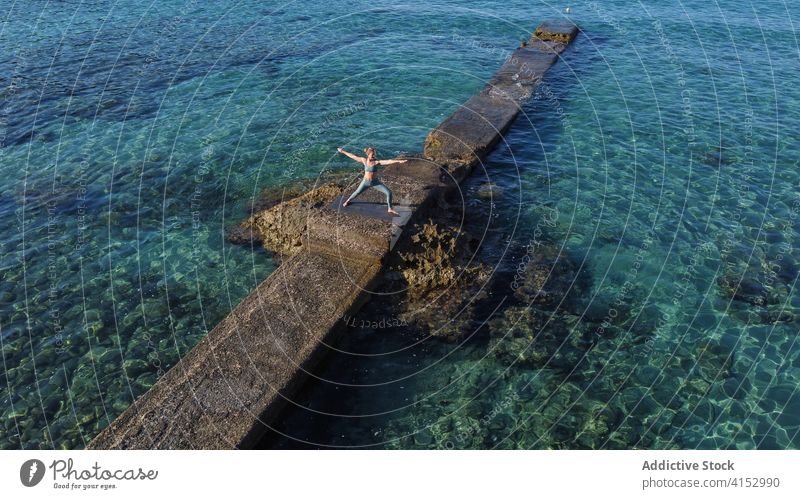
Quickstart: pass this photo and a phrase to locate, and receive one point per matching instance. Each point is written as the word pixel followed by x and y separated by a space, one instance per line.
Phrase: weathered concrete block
pixel 406 189
pixel 347 236
pixel 281 227
pixel 472 131
pixel 516 80
pixel 431 175
pixel 561 31
pixel 217 396
pixel 478 125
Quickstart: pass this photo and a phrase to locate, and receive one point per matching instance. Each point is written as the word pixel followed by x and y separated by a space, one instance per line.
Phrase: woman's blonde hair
pixel 370 151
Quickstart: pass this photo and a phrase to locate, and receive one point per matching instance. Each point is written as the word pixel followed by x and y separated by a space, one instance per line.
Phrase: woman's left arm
pixel 385 162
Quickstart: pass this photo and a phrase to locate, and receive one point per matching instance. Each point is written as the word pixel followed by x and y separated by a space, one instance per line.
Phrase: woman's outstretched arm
pixel 350 155
pixel 385 162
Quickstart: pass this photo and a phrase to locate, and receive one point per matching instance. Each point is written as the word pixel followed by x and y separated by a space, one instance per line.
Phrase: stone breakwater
pixel 225 392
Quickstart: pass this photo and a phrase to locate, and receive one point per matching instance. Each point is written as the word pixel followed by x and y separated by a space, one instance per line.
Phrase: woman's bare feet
pixel 392 212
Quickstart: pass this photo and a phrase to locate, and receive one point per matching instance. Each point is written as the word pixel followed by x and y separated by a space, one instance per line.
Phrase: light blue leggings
pixel 375 184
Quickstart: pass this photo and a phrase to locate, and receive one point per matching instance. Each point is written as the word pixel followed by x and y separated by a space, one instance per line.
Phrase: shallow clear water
pixel 660 159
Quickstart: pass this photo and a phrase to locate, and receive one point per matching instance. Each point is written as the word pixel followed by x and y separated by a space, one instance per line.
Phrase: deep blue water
pixel 660 157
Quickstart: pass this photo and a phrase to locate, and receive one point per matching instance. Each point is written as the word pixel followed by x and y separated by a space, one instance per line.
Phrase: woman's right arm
pixel 350 155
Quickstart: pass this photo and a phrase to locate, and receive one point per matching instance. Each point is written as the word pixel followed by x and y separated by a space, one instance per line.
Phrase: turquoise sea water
pixel 660 159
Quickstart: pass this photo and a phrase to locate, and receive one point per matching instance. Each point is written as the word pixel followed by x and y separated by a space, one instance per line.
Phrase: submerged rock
pixel 759 278
pixel 746 288
pixel 713 155
pixel 530 337
pixel 753 287
pixel 514 333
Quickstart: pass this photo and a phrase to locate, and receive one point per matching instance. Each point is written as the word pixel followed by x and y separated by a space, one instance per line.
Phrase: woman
pixel 370 180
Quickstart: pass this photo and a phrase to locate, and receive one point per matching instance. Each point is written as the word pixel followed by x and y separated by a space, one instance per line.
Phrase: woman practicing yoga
pixel 370 167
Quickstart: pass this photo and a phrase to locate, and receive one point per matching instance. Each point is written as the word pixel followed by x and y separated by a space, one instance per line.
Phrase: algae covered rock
pixel 544 276
pixel 281 227
pixel 242 234
pixel 753 277
pixel 514 333
pixel 490 190
pixel 531 337
pixel 441 276
pixel 435 261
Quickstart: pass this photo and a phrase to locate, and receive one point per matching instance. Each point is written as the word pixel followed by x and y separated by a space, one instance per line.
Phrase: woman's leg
pixel 380 186
pixel 361 188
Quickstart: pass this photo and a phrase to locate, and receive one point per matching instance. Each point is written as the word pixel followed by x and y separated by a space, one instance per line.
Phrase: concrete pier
pixel 228 388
